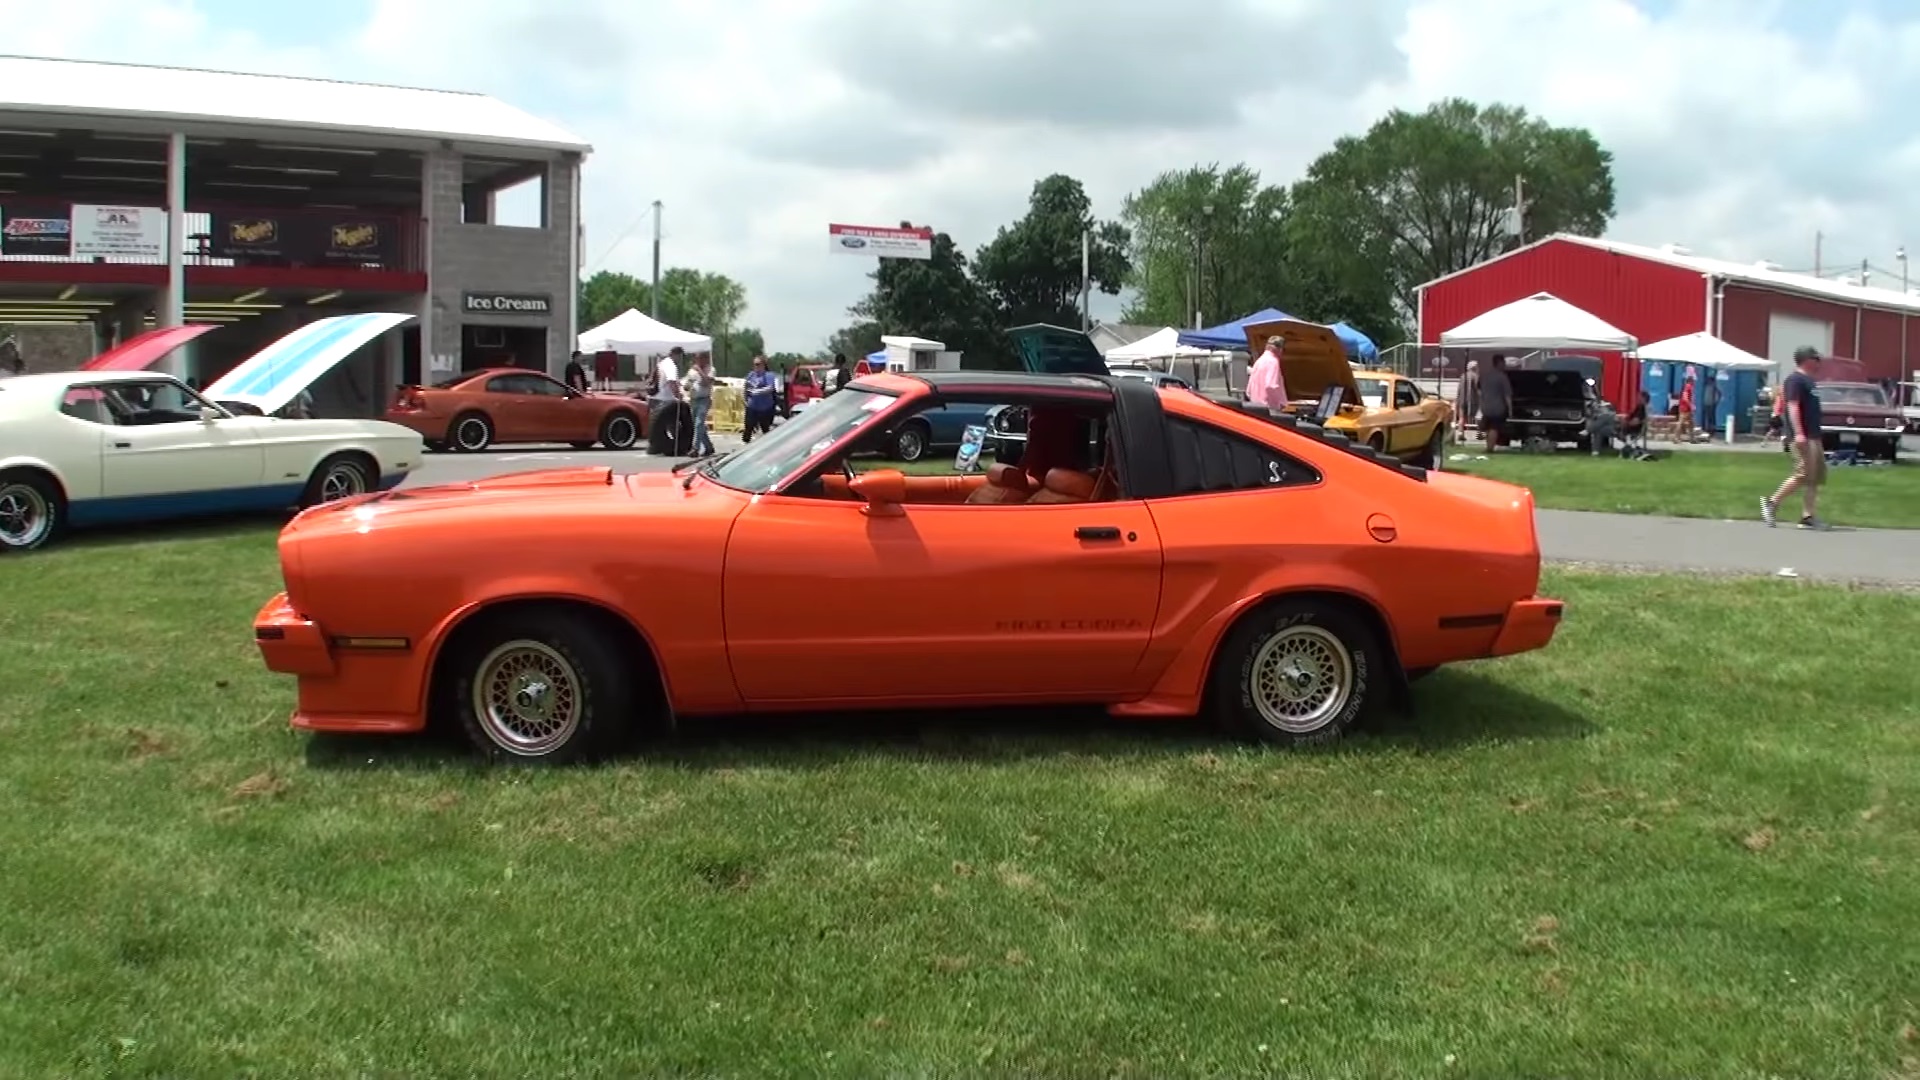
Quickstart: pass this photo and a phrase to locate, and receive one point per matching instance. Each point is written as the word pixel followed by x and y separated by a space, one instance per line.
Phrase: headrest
pixel 1070 482
pixel 1008 476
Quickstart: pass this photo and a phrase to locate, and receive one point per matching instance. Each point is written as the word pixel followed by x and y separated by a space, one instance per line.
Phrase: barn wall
pixel 1649 300
pixel 1747 317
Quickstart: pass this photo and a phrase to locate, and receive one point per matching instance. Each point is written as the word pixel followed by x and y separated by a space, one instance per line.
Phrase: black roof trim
pixel 1336 439
pixel 1014 381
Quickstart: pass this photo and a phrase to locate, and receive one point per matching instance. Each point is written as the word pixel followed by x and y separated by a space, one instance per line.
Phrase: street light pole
pixel 656 260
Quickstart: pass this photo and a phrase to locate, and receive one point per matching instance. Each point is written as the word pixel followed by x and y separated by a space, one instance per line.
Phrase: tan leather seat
pixel 1065 486
pixel 1005 484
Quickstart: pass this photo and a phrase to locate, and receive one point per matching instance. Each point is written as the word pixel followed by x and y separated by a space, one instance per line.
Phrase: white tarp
pixel 1541 321
pixel 633 334
pixel 1704 350
pixel 1162 344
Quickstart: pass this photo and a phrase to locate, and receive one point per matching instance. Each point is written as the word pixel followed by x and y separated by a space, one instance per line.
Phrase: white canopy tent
pixel 1704 350
pixel 1162 344
pixel 1541 321
pixel 633 334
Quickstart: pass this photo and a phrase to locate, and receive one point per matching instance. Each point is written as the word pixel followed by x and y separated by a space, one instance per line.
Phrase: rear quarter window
pixel 1208 459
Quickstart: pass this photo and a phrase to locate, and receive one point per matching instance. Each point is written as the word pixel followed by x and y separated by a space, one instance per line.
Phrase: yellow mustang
pixel 1382 409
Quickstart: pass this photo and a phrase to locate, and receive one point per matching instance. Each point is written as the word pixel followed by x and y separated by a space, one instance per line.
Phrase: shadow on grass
pixel 1451 710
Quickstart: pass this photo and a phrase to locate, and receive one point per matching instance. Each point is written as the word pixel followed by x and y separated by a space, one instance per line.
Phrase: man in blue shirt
pixel 1802 425
pixel 761 400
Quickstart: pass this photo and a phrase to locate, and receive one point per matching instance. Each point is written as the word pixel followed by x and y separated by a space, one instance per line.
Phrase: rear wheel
pixel 1297 673
pixel 1435 455
pixel 470 433
pixel 541 686
pixel 620 431
pixel 910 443
pixel 31 509
pixel 341 476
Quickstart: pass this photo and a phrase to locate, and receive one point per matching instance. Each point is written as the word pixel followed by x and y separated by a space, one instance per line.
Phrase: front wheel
pixel 1297 673
pixel 620 431
pixel 339 477
pixel 541 686
pixel 30 510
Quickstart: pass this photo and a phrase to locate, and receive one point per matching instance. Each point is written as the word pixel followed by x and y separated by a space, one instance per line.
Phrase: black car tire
pixel 541 686
pixel 40 507
pixel 339 476
pixel 470 433
pixel 620 430
pixel 1294 655
pixel 912 441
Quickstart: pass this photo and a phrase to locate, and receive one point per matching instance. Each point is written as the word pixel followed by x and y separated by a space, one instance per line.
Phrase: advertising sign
pixel 36 232
pixel 302 239
pixel 122 232
pixel 873 240
pixel 492 303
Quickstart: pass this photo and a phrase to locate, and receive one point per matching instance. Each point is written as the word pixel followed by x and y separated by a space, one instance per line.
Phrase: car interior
pixel 130 405
pixel 1070 457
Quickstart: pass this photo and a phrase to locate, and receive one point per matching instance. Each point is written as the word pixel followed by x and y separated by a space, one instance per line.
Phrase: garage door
pixel 1786 333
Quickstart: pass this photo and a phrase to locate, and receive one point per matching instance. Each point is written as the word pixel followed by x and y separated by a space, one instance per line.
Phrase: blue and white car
pixel 95 448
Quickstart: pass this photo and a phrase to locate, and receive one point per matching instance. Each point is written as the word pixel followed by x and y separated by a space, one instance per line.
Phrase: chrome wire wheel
pixel 25 516
pixel 342 480
pixel 527 697
pixel 1301 678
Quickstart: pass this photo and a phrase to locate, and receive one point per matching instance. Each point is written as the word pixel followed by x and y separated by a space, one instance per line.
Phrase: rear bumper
pixel 1529 625
pixel 424 424
pixel 342 688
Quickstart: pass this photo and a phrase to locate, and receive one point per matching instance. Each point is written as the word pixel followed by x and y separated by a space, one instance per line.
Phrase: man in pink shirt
pixel 1265 384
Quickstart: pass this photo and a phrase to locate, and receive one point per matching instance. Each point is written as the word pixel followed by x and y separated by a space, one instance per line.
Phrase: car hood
pixel 539 493
pixel 275 375
pixel 138 353
pixel 326 428
pixel 1312 359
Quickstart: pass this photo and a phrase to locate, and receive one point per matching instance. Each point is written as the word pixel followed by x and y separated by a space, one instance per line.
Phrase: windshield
pixel 1850 395
pixel 774 456
pixel 1373 392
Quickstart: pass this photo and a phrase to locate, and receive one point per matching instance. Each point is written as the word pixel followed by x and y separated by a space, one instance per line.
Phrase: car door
pixel 555 413
pixel 940 604
pixel 513 403
pixel 1409 431
pixel 194 464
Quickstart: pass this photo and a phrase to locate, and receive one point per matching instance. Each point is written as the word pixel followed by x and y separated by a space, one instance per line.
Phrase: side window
pixel 1405 394
pixel 89 405
pixel 543 386
pixel 505 384
pixel 1207 459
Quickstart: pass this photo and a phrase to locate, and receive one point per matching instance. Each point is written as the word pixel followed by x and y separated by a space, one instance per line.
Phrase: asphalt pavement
pixel 1654 543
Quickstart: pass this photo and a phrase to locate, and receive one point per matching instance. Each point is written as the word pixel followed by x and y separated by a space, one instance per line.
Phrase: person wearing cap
pixel 1803 427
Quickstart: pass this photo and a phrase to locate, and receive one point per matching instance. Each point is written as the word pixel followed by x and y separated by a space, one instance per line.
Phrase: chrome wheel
pixel 527 698
pixel 1301 678
pixel 25 516
pixel 622 433
pixel 910 445
pixel 472 434
pixel 342 480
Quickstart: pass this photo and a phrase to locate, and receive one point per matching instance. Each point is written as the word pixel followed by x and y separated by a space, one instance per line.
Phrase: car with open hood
pixel 1156 553
pixel 1380 409
pixel 113 446
pixel 473 410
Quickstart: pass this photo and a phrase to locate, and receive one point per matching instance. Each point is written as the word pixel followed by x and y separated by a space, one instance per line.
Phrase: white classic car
pixel 89 448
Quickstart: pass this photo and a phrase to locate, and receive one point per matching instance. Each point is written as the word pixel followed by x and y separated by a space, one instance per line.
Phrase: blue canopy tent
pixel 1359 346
pixel 1233 335
pixel 1230 335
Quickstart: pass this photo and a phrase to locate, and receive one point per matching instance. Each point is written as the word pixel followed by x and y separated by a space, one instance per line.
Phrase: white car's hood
pixel 275 375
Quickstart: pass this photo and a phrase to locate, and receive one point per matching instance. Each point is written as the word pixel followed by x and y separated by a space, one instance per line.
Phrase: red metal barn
pixel 1656 293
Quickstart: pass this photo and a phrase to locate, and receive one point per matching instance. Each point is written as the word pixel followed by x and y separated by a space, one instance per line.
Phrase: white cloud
pixel 1735 130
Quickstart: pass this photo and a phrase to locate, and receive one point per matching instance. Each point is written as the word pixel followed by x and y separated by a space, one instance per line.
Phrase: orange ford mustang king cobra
pixel 1154 551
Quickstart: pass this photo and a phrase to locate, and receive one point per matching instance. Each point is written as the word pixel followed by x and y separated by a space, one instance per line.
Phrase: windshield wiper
pixel 708 467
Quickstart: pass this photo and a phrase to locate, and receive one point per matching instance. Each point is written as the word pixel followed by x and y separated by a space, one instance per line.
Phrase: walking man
pixel 1496 400
pixel 1803 427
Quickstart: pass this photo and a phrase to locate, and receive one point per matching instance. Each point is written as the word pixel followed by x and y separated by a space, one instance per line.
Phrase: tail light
pixel 409 398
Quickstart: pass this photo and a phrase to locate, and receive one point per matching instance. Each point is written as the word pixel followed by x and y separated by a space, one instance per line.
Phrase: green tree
pixel 853 341
pixel 1425 194
pixel 931 298
pixel 1207 241
pixel 607 294
pixel 733 352
pixel 704 303
pixel 1030 270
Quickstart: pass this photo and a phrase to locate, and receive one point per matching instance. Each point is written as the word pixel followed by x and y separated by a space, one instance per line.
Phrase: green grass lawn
pixel 1702 483
pixel 1683 841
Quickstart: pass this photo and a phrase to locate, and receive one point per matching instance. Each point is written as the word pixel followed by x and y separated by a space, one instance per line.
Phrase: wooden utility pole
pixel 1816 253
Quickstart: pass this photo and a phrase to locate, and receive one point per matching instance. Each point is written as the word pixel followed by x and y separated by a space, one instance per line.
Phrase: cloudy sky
pixel 1740 127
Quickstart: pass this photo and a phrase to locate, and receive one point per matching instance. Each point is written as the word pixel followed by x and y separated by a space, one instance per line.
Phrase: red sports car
pixel 476 409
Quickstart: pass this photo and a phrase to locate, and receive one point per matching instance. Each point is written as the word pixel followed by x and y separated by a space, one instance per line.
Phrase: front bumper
pixel 348 686
pixel 1529 625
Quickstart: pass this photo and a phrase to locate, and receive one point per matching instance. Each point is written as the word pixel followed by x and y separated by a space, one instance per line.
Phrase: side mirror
pixel 883 489
pixel 209 414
